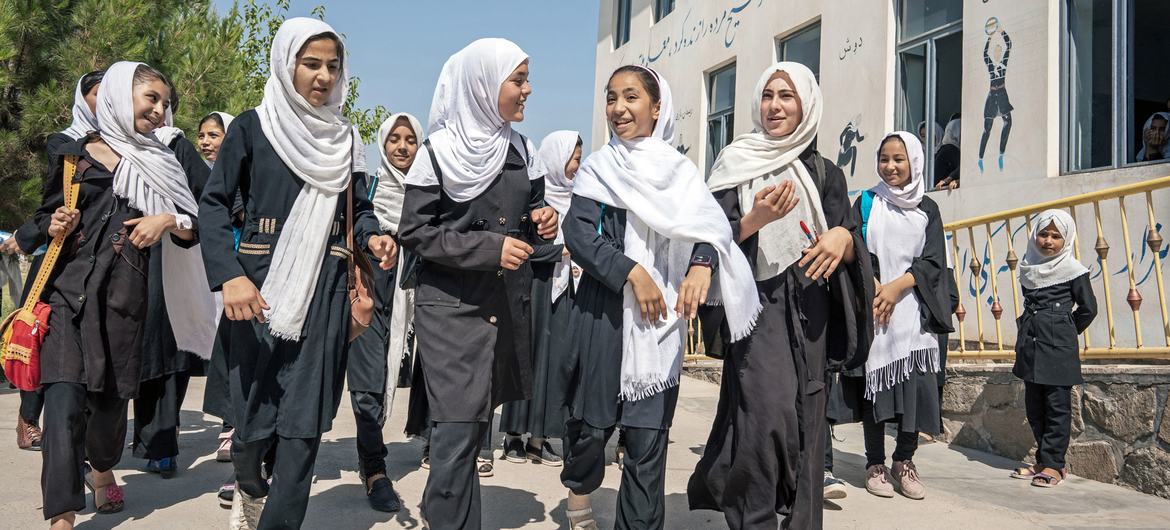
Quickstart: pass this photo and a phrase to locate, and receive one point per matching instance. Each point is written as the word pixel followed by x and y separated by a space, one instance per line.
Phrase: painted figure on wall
pixel 997 105
pixel 848 154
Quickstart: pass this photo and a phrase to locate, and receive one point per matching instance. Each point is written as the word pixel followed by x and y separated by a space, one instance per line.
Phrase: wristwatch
pixel 701 260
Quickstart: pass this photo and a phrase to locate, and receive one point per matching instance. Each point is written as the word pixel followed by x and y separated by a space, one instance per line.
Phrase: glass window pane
pixel 1148 48
pixel 662 8
pixel 621 33
pixel 714 141
pixel 943 160
pixel 921 16
pixel 912 89
pixel 722 89
pixel 804 48
pixel 1090 84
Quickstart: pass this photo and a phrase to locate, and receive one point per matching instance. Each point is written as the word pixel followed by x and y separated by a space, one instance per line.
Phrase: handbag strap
pixel 70 189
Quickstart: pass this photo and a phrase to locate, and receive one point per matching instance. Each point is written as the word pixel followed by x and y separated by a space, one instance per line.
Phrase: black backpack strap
pixel 819 176
pixel 434 161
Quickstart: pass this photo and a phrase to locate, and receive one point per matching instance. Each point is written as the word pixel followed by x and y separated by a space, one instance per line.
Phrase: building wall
pixel 858 66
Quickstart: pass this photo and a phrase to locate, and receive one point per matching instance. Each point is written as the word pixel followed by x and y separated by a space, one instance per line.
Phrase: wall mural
pixel 997 105
pixel 690 32
pixel 848 154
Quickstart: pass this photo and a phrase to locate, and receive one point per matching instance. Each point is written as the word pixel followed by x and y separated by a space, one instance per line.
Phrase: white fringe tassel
pixel 886 377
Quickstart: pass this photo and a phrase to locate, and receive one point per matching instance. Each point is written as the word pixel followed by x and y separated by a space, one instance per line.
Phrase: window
pixel 662 8
pixel 803 47
pixel 930 75
pixel 1116 80
pixel 720 112
pixel 621 32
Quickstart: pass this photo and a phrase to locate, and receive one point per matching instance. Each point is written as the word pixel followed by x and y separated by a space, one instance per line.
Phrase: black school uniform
pixel 1048 360
pixel 761 461
pixel 284 394
pixel 91 358
pixel 471 323
pixel 164 368
pixel 595 237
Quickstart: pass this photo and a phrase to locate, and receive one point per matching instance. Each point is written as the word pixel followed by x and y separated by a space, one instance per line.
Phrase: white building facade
pixel 1074 81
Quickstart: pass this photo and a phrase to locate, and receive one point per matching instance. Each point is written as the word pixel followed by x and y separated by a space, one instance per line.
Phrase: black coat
pixel 471 317
pixel 1046 340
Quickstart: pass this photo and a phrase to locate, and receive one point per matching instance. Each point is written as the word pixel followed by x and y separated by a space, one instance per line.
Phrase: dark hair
pixel 580 143
pixel 644 75
pixel 891 136
pixel 90 80
pixel 327 35
pixel 146 73
pixel 213 117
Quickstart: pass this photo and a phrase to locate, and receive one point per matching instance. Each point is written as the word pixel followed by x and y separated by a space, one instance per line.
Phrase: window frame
pixel 662 8
pixel 722 115
pixel 782 41
pixel 622 23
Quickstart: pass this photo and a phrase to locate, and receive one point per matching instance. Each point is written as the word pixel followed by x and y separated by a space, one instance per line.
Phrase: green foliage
pixel 216 62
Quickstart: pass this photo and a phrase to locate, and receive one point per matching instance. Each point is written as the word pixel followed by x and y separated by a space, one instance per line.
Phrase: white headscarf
pixel 317 145
pixel 469 138
pixel 168 132
pixel 390 186
pixel 668 210
pixel 151 179
pixel 951 134
pixel 896 234
pixel 937 133
pixel 1038 271
pixel 756 160
pixel 1141 152
pixel 83 118
pixel 555 151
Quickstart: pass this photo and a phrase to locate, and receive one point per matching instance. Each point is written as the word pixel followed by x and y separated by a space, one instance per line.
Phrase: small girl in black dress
pixel 1058 305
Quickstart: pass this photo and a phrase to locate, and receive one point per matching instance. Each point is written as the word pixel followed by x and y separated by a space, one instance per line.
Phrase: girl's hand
pixel 774 202
pixel 514 253
pixel 648 294
pixel 242 300
pixel 146 231
pixel 886 297
pixel 693 291
pixel 827 253
pixel 384 248
pixel 64 221
pixel 546 221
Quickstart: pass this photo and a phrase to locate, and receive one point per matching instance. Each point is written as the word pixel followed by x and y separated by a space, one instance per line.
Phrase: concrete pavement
pixel 966 488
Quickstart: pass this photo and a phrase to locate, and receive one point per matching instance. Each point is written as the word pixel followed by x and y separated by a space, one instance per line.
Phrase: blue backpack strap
pixel 600 218
pixel 866 206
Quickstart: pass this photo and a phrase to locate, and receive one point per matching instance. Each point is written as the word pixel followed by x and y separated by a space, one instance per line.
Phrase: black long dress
pixel 765 452
pixel 1046 341
pixel 284 388
pixel 544 415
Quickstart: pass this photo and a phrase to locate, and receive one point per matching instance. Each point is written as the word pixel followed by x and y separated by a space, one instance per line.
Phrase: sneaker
pixel 167 467
pixel 877 481
pixel 484 467
pixel 544 455
pixel 834 487
pixel 224 452
pixel 907 482
pixel 227 493
pixel 28 435
pixel 246 511
pixel 382 496
pixel 514 450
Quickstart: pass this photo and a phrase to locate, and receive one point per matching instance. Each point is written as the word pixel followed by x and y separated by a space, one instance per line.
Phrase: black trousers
pixel 829 448
pixel 156 416
pixel 875 444
pixel 31 405
pixel 292 462
pixel 1049 410
pixel 451 497
pixel 641 501
pixel 371 448
pixel 78 425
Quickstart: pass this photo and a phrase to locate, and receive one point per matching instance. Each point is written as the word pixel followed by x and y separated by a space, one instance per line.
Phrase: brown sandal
pixel 1044 480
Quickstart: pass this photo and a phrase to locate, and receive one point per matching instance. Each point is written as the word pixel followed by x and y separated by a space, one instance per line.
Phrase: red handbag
pixel 25 328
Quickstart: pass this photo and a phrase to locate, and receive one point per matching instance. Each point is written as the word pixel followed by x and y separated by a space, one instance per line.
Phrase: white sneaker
pixel 834 487
pixel 246 511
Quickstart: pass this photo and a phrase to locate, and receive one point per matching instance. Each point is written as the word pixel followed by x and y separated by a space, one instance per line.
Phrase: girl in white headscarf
pixel 946 157
pixel 376 356
pixel 1059 304
pixel 284 290
pixel 789 212
pixel 132 194
pixel 212 128
pixel 543 416
pixel 474 213
pixel 654 246
pixel 903 231
pixel 1155 138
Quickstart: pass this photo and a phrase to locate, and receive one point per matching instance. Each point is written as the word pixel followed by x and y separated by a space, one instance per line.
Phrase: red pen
pixel 808 233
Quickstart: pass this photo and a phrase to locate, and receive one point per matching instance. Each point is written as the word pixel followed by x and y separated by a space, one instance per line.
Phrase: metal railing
pixel 983 290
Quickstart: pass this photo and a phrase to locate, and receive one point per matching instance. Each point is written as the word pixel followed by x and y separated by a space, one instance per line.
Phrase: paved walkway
pixel 967 489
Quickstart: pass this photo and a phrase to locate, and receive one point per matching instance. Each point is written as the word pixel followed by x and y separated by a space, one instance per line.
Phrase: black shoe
pixel 382 496
pixel 544 455
pixel 514 450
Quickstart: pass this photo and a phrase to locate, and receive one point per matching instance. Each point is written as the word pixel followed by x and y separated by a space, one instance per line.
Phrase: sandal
pixel 1044 480
pixel 111 491
pixel 485 468
pixel 1025 473
pixel 581 519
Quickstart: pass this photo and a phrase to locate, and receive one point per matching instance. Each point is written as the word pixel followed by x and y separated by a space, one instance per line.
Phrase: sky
pixel 398 47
